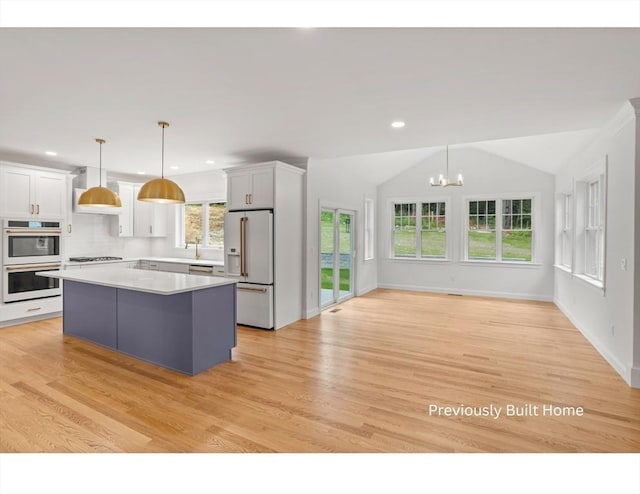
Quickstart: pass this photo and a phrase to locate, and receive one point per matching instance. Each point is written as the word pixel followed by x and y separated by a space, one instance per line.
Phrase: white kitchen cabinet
pixel 149 219
pixel 67 229
pixel 13 313
pixel 250 189
pixel 31 193
pixel 122 224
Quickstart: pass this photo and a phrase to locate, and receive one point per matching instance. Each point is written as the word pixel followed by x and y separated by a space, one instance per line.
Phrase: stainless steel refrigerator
pixel 248 245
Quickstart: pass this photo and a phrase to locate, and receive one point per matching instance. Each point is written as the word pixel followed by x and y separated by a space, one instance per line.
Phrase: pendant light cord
pixel 447 162
pixel 101 142
pixel 163 151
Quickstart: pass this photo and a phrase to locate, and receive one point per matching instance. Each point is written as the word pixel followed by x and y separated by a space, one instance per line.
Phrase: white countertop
pixel 159 282
pixel 180 260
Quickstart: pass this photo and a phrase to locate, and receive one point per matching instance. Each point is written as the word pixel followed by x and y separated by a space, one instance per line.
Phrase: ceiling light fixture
pixel 161 189
pixel 397 125
pixel 51 153
pixel 209 162
pixel 445 181
pixel 100 197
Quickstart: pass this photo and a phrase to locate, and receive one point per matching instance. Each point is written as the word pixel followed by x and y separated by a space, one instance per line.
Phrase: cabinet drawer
pixel 31 308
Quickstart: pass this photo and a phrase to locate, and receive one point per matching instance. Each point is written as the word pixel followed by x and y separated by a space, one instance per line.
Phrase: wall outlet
pixel 623 264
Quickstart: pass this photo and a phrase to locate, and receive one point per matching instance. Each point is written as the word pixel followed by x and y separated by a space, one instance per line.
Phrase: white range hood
pixel 84 179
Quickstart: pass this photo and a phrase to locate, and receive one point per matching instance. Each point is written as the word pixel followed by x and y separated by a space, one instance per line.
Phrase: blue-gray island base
pixel 188 332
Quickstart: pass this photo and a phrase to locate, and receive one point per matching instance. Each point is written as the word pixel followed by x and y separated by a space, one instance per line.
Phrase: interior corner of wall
pixel 634 377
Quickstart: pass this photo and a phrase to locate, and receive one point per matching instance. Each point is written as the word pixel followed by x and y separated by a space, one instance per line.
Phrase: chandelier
pixel 444 180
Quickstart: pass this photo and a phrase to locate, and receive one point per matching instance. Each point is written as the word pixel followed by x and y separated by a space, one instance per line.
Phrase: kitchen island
pixel 179 321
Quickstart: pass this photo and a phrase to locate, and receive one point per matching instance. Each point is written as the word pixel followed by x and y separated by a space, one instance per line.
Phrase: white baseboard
pixel 25 320
pixel 364 291
pixel 312 313
pixel 476 293
pixel 626 373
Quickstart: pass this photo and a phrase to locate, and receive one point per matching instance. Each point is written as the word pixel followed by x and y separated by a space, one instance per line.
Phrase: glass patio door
pixel 337 253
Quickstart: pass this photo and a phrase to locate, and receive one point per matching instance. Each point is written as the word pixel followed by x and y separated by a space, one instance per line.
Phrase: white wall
pixel 485 174
pixel 336 183
pixel 205 186
pixel 606 317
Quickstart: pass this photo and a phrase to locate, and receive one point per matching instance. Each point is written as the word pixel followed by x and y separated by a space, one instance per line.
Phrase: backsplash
pixel 91 237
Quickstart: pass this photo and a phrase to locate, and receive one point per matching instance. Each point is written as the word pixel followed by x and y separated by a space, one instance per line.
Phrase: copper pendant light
pixel 100 197
pixel 161 189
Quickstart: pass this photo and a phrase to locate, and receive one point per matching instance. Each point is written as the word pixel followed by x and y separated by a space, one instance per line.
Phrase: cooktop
pixel 89 259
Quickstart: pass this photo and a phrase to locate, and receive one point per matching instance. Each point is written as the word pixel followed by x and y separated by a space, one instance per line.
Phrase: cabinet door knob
pixel 250 198
pixel 69 228
pixel 31 208
pixel 246 198
pixel 120 228
pixel 151 229
pixel 37 208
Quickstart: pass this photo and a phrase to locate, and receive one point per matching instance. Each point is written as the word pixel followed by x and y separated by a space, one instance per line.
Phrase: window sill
pixel 590 281
pixel 503 264
pixel 421 260
pixel 562 268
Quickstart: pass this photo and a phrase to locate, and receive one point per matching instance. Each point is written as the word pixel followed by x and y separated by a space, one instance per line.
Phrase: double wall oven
pixel 29 247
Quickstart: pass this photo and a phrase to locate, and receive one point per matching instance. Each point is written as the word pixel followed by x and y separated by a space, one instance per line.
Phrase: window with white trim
pixel 594 230
pixel 566 231
pixel 500 230
pixel 420 230
pixel 202 222
pixel 369 230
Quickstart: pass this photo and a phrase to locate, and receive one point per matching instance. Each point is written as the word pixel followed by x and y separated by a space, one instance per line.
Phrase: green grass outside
pixel 326 280
pixel 516 246
pixel 326 234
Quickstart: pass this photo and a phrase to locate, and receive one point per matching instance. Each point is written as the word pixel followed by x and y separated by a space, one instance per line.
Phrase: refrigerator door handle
pixel 252 289
pixel 243 246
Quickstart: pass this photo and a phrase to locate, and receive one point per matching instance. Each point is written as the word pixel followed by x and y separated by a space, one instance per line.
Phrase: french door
pixel 337 255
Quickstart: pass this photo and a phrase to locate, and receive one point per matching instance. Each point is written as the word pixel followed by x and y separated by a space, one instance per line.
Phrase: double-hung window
pixel 369 230
pixel 420 230
pixel 594 230
pixel 566 231
pixel 202 222
pixel 500 230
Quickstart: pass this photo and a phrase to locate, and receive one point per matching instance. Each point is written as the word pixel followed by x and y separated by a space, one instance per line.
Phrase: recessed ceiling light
pixel 397 124
pixel 209 162
pixel 51 153
pixel 142 173
pixel 175 167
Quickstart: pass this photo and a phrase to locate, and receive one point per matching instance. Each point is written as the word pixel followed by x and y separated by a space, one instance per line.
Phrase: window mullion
pixel 205 224
pixel 419 230
pixel 498 226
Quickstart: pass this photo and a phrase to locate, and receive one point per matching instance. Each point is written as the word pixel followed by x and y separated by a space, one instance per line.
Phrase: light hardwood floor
pixel 357 380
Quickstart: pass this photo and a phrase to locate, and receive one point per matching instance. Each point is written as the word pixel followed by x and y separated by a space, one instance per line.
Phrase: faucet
pixel 186 246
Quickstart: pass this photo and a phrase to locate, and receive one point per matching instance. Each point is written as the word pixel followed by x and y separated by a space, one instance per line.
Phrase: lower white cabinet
pixel 28 309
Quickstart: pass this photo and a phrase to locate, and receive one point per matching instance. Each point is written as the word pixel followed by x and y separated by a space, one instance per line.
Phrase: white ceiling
pixel 244 95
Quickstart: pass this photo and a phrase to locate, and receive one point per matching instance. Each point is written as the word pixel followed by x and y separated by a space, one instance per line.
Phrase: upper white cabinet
pixel 31 193
pixel 149 219
pixel 250 189
pixel 122 224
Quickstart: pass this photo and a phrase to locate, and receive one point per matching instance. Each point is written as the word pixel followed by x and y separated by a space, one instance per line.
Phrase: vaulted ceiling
pixel 243 95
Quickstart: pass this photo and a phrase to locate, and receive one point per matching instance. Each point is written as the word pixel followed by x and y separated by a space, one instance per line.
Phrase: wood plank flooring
pixel 357 380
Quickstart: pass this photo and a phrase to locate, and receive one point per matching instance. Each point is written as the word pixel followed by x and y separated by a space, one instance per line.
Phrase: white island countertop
pixel 158 282
pixel 179 260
